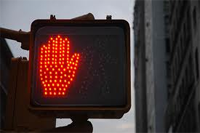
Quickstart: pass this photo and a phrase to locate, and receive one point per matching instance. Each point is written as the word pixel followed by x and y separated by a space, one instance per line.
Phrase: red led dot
pixel 50 93
pixel 59 93
pixel 54 89
pixel 45 89
pixel 68 82
pixel 63 93
pixel 50 89
pixel 64 89
pixel 71 79
pixel 60 89
pixel 45 93
pixel 54 93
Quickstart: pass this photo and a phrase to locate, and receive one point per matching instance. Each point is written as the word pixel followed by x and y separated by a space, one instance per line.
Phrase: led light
pixel 55 64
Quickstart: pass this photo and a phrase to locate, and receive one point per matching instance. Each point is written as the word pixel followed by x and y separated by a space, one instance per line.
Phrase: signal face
pixel 80 64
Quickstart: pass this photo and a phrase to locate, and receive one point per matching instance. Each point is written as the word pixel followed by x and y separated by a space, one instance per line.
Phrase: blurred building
pixel 183 110
pixel 151 56
pixel 5 60
pixel 140 68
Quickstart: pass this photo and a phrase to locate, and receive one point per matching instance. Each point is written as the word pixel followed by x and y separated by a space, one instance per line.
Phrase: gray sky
pixel 19 14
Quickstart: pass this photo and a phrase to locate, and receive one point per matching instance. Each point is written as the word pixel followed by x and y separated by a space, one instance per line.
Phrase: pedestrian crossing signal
pixel 80 67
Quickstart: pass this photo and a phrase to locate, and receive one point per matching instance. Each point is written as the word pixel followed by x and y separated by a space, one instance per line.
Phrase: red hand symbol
pixel 57 68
